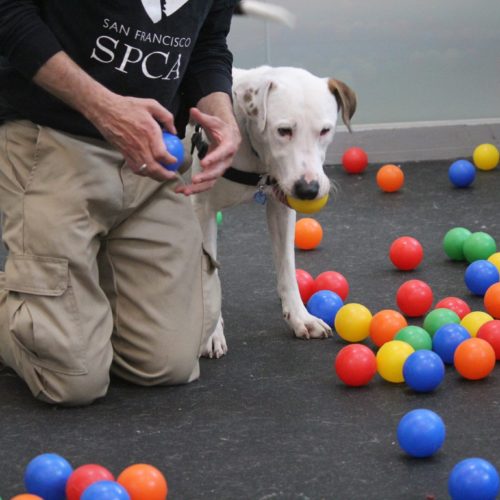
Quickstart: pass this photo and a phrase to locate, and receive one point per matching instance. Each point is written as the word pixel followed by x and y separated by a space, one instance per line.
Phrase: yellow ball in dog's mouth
pixel 307 206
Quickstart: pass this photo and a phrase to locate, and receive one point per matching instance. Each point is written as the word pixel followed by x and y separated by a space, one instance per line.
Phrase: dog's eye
pixel 324 131
pixel 285 132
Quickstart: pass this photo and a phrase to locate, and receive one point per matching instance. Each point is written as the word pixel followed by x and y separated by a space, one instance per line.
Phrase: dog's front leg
pixel 281 222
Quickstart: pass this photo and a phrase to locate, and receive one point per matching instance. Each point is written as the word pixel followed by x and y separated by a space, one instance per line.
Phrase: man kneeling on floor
pixel 105 262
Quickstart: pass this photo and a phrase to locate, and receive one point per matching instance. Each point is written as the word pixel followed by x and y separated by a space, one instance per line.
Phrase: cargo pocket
pixel 43 314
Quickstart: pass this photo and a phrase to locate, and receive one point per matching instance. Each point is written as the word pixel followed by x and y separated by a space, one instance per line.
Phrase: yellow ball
pixel 352 322
pixel 486 157
pixel 307 206
pixel 495 260
pixel 390 360
pixel 475 320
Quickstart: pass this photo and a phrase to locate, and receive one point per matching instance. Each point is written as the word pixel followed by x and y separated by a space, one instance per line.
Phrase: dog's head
pixel 288 116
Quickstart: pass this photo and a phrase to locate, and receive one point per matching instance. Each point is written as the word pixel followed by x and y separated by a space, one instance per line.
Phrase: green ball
pixel 219 218
pixel 416 336
pixel 479 246
pixel 438 318
pixel 453 242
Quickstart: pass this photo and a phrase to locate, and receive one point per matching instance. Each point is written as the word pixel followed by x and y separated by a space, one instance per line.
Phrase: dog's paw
pixel 216 345
pixel 308 326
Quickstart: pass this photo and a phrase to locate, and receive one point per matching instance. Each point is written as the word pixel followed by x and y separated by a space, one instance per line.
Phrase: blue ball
pixel 423 370
pixel 480 275
pixel 105 490
pixel 174 146
pixel 46 476
pixel 324 304
pixel 446 339
pixel 421 433
pixel 473 479
pixel 462 173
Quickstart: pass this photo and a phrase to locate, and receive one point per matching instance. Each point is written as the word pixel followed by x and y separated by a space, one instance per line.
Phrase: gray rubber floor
pixel 271 420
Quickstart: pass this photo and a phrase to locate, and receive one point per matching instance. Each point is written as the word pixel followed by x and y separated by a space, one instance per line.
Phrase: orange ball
pixel 390 178
pixel 26 496
pixel 308 233
pixel 144 482
pixel 474 358
pixel 492 300
pixel 385 325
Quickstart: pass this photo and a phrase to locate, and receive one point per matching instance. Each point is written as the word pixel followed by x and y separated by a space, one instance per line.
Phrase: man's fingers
pixel 190 189
pixel 162 115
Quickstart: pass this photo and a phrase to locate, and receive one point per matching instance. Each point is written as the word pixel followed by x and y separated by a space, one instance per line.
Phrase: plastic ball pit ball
pixel 106 490
pixel 423 371
pixel 447 339
pixel 474 320
pixel 46 475
pixel 385 325
pixel 352 322
pixel 354 160
pixel 305 283
pixel 26 496
pixel 390 360
pixel 308 233
pixel 355 365
pixel 474 359
pixel 480 275
pixel 421 433
pixel 486 156
pixel 438 318
pixel 416 336
pixel 479 246
pixel 82 477
pixel 307 206
pixel 333 281
pixel 325 305
pixel 473 478
pixel 490 332
pixel 495 260
pixel 453 243
pixel 458 306
pixel 492 300
pixel 406 253
pixel 144 481
pixel 390 178
pixel 174 146
pixel 414 298
pixel 462 173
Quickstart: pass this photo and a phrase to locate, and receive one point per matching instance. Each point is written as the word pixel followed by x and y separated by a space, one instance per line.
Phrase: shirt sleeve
pixel 211 62
pixel 25 40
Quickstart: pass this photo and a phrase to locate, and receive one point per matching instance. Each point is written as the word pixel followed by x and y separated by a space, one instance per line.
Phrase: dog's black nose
pixel 304 190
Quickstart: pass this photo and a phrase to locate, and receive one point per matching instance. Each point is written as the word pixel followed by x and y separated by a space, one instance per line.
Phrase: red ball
pixel 354 160
pixel 84 476
pixel 306 284
pixel 355 365
pixel 458 306
pixel 414 298
pixel 406 253
pixel 333 281
pixel 490 331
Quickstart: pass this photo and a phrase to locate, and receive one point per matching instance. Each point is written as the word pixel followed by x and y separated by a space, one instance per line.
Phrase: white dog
pixel 287 117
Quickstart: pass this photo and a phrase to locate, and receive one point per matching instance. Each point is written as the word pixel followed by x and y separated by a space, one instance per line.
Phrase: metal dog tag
pixel 260 197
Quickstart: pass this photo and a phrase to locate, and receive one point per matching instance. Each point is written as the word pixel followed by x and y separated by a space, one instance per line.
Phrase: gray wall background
pixel 408 60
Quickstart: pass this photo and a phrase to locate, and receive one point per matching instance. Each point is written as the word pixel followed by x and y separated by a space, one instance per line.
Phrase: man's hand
pixel 224 140
pixel 130 124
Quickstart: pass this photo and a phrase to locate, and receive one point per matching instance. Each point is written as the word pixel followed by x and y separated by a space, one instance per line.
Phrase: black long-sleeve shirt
pixel 174 51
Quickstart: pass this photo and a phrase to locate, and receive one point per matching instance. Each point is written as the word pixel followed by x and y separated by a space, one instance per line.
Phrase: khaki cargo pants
pixel 104 269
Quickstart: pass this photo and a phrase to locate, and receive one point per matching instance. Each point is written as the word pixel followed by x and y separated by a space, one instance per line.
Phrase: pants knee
pixel 69 390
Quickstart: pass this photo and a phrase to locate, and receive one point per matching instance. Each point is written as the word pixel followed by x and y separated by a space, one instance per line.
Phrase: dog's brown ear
pixel 253 101
pixel 346 99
